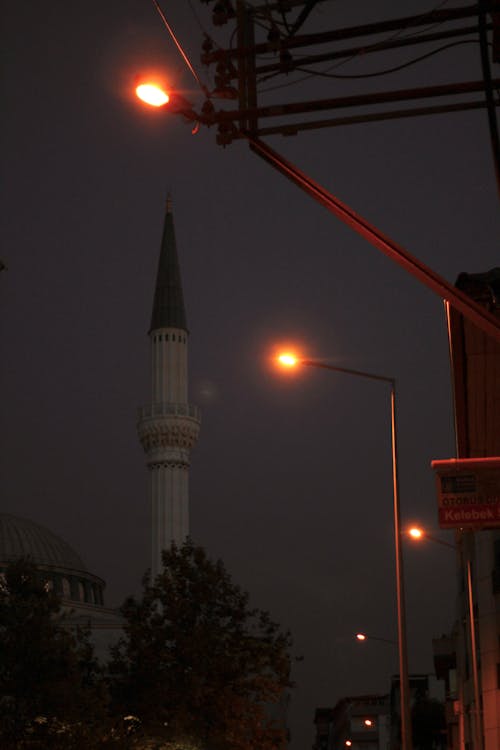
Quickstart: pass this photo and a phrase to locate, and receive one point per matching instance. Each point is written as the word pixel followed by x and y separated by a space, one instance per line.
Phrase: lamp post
pixel 290 360
pixel 417 533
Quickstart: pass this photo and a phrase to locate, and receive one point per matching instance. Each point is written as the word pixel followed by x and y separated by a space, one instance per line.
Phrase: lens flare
pixel 152 94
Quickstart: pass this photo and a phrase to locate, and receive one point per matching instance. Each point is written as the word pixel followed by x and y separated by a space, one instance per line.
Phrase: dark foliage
pixel 197 662
pixel 49 679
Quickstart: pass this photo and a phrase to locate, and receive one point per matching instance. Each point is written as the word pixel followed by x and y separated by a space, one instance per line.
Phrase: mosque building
pixel 168 428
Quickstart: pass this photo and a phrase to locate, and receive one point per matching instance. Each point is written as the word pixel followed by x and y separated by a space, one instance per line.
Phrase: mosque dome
pixel 22 538
pixel 62 566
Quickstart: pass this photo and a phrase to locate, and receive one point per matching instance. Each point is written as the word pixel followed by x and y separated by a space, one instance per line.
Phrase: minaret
pixel 168 427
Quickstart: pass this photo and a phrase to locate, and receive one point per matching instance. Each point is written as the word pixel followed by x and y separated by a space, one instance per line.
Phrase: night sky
pixel 290 483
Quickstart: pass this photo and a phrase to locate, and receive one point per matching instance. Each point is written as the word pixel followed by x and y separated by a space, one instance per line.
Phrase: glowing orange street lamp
pixel 289 359
pixel 348 743
pixel 417 533
pixel 152 94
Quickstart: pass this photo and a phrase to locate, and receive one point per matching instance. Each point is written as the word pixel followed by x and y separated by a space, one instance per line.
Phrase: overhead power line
pixel 179 46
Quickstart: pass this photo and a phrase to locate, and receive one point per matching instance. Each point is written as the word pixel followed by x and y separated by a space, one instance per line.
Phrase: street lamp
pixel 152 94
pixel 155 95
pixel 419 534
pixel 363 637
pixel 290 360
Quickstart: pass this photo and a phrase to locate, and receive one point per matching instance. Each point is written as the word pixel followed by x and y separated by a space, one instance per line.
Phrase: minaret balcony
pixel 166 409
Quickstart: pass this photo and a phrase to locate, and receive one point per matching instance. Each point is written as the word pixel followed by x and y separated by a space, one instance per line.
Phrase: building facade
pixel 360 722
pixel 475 359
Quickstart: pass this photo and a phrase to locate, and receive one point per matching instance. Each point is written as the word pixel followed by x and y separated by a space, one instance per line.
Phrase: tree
pixel 48 675
pixel 197 663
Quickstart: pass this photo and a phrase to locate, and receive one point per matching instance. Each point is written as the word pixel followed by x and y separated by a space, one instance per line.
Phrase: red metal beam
pixel 460 301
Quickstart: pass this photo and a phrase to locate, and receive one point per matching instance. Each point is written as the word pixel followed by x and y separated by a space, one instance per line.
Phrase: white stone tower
pixel 168 427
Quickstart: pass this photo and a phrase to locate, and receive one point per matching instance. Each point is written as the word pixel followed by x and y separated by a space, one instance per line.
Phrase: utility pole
pixel 270 30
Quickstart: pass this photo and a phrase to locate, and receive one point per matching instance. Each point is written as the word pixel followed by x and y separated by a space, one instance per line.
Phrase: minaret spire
pixel 168 427
pixel 168 305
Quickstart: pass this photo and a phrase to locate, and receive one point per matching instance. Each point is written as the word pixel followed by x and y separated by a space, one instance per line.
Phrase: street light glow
pixel 152 94
pixel 361 636
pixel 368 723
pixel 287 359
pixel 415 532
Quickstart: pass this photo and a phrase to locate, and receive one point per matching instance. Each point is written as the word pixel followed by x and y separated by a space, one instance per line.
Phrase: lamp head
pixel 152 94
pixel 416 533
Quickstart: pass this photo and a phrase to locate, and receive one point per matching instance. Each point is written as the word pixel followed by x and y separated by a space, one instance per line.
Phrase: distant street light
pixel 290 360
pixel 415 533
pixel 363 637
pixel 419 534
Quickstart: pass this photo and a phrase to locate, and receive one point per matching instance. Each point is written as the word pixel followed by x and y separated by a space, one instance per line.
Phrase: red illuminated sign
pixel 468 492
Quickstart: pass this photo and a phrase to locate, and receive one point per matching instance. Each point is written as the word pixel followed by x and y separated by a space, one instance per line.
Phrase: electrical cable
pixel 370 48
pixel 303 16
pixel 197 18
pixel 179 47
pixel 431 26
pixel 396 67
pixel 326 74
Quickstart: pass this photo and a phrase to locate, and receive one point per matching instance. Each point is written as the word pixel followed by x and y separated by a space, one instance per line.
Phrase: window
pixel 66 588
